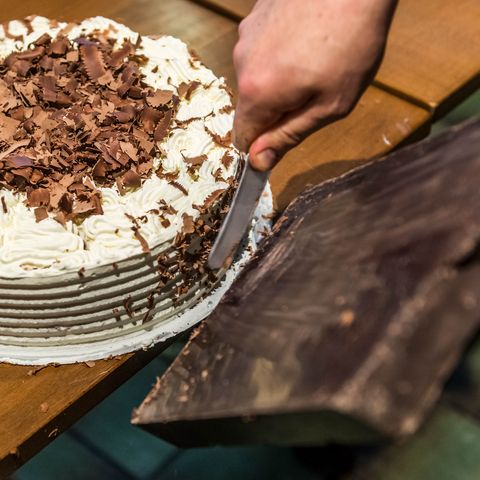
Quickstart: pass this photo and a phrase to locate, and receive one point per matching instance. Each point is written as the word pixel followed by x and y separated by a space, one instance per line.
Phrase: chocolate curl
pixel 92 60
pixel 195 161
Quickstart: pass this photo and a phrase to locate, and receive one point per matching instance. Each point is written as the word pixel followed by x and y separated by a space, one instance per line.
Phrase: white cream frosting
pixel 47 248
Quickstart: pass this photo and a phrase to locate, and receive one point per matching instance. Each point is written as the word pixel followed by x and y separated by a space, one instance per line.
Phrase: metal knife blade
pixel 252 183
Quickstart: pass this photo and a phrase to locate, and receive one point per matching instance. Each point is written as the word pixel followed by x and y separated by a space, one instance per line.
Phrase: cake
pixel 116 170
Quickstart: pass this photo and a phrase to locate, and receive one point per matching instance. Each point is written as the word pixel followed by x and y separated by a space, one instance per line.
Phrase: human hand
pixel 302 65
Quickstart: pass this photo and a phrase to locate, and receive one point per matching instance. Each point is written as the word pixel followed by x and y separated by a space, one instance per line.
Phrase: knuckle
pixel 345 108
pixel 242 25
pixel 237 54
pixel 250 87
pixel 290 138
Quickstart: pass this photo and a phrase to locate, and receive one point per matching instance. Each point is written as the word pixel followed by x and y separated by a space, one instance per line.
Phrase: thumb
pixel 251 119
pixel 287 133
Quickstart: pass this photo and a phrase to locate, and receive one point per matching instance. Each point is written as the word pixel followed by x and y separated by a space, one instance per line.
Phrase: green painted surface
pixel 237 464
pixel 446 448
pixel 463 390
pixel 66 458
pixel 468 109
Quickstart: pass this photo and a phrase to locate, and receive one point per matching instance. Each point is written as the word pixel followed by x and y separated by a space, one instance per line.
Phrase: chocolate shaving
pixel 44 39
pixel 131 179
pixel 66 203
pixel 92 60
pixel 99 170
pixel 118 56
pixel 130 150
pixel 225 141
pixel 186 89
pixel 141 239
pixel 38 198
pixel 188 224
pixel 8 128
pixel 195 160
pixel 149 118
pixel 59 46
pixel 128 305
pixel 163 127
pixel 180 187
pixel 160 97
pixel 227 159
pixel 40 214
pixel 226 109
pixel 18 161
pixel 210 200
pixel 4 205
pixel 29 54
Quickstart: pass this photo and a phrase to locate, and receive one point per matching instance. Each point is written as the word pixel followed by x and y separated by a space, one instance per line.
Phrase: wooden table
pixel 432 63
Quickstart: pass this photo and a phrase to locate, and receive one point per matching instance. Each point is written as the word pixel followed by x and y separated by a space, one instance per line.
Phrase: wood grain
pixel 379 123
pixel 432 49
pixel 235 9
pixel 40 403
pixel 351 308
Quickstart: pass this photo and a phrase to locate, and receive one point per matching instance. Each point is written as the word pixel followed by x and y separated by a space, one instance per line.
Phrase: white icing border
pixel 143 339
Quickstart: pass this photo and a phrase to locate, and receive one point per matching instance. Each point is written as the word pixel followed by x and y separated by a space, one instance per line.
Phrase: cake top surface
pixel 111 143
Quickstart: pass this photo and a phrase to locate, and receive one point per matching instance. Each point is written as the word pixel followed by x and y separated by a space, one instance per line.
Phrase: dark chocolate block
pixel 349 320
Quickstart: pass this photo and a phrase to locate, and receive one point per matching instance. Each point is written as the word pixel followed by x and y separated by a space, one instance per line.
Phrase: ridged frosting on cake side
pixel 193 165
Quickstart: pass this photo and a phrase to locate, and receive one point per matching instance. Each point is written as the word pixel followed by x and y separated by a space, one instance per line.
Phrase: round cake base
pixel 146 338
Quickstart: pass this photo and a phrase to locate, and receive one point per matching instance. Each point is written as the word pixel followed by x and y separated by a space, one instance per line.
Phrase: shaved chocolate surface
pixel 98 124
pixel 78 111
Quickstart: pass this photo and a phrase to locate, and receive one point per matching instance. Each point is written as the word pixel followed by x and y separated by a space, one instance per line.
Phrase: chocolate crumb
pixel 40 214
pixel 188 224
pixel 180 187
pixel 128 305
pixel 141 239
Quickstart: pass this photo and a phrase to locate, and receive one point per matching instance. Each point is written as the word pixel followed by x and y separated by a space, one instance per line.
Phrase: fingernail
pixel 265 160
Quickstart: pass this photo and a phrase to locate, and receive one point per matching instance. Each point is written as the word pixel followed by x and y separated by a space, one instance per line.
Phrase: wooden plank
pixel 378 123
pixel 351 309
pixel 432 50
pixel 432 53
pixel 236 9
pixel 22 425
pixel 39 404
